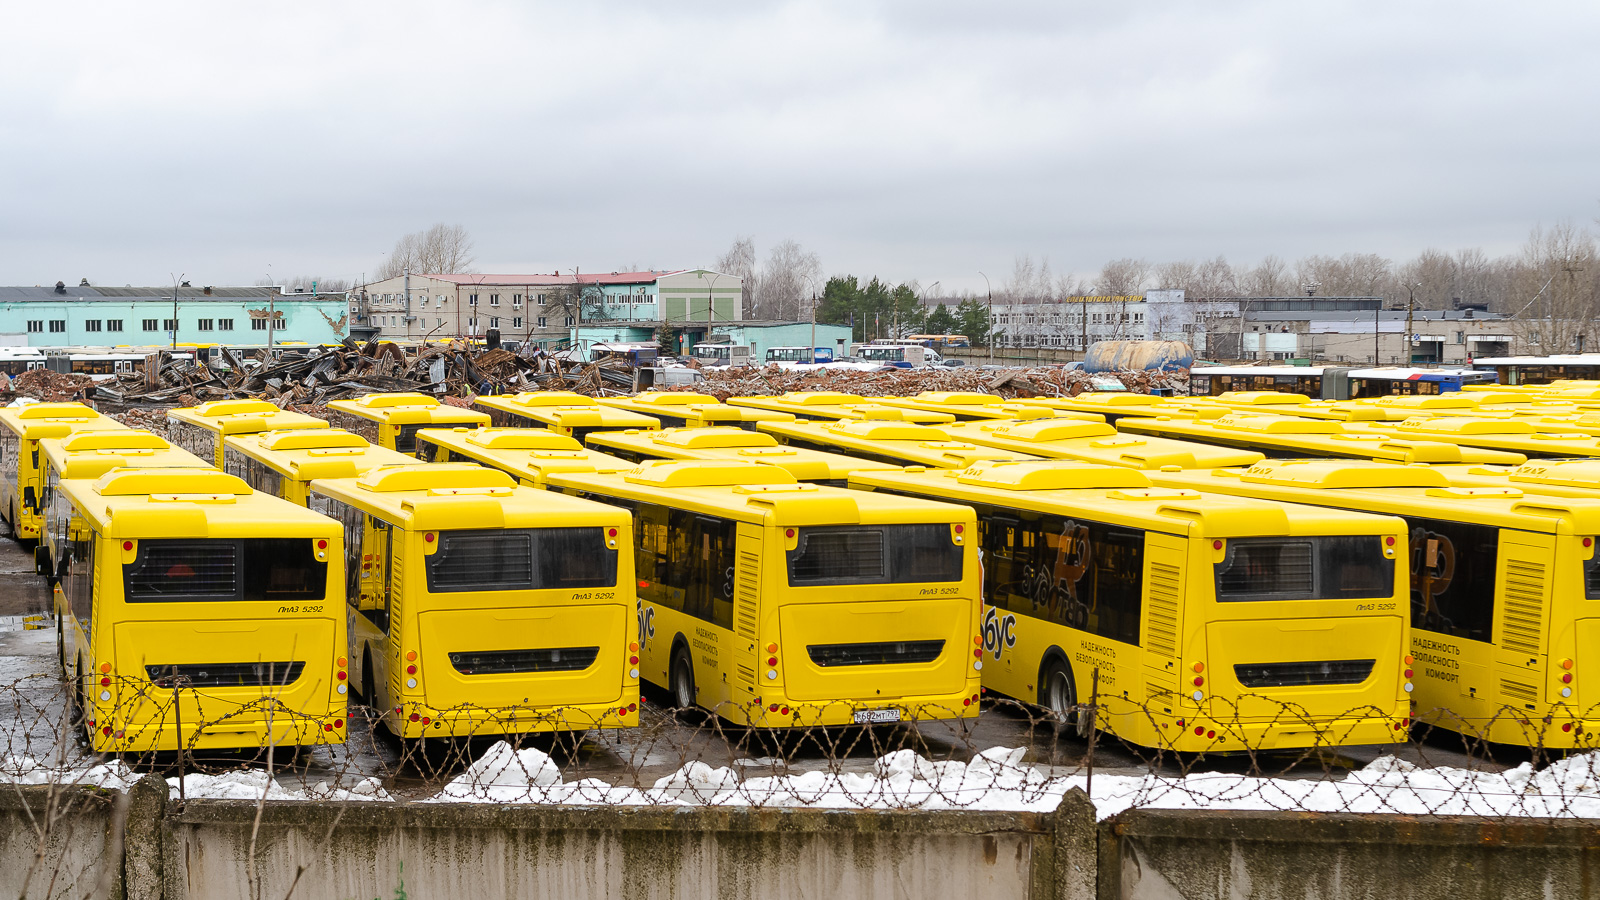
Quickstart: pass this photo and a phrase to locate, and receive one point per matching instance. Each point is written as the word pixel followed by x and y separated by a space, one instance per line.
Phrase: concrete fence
pixel 142 846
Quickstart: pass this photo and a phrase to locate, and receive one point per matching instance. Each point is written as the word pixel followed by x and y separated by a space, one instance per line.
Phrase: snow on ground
pixel 24 769
pixel 995 779
pixel 255 784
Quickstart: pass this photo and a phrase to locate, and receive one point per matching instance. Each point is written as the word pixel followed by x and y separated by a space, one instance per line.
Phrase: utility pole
pixel 408 300
pixel 990 338
pixel 1411 302
pixel 175 282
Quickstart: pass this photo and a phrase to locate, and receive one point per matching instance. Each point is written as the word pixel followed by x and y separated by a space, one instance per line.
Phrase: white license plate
pixel 876 716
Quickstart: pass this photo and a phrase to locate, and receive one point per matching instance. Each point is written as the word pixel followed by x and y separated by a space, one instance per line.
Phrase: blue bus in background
pixel 1333 382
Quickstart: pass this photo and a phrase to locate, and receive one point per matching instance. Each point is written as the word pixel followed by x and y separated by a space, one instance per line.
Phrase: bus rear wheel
pixel 1058 695
pixel 681 681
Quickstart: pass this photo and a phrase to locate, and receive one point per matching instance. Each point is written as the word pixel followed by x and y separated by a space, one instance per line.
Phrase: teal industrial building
pixel 91 316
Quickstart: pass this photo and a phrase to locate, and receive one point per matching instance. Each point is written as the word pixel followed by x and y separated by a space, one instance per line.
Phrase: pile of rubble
pixel 297 377
pixel 48 386
pixel 1043 381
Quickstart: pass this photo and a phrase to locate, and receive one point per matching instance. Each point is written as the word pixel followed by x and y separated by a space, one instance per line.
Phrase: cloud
pixel 910 139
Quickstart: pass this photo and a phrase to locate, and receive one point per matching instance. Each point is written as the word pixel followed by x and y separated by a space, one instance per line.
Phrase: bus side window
pixel 1453 566
pixel 80 591
pixel 374 565
pixel 996 535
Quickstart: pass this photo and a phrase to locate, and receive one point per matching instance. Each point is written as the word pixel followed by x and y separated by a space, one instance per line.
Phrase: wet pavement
pixel 33 713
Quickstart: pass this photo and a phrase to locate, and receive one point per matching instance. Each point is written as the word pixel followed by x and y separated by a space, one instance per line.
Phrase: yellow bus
pixel 1275 403
pixel 196 612
pixel 1503 626
pixel 680 409
pixel 1109 405
pixel 563 412
pixel 481 607
pixel 829 406
pixel 1289 436
pixel 1055 438
pixel 736 445
pixel 21 430
pixel 1197 622
pixel 778 604
pixel 201 429
pixel 967 406
pixel 398 417
pixel 526 454
pixel 1509 435
pixel 896 443
pixel 90 454
pixel 284 463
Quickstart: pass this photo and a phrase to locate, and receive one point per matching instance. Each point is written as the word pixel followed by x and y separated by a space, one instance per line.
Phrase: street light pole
pixel 989 339
pixel 1411 302
pixel 175 282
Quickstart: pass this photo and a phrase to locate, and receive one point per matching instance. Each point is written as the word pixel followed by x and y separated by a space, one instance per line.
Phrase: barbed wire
pixel 1013 756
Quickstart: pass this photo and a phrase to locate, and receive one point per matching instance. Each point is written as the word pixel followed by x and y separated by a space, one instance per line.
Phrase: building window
pixel 169 324
pixel 438 323
pixel 441 300
pixel 58 325
pixel 258 324
pixel 149 324
pixel 494 299
pixel 516 322
pixel 494 321
pixel 541 299
pixel 472 321
pixel 1461 337
pixel 569 320
pixel 472 299
pixel 91 324
pixel 35 326
pixel 541 320
pixel 113 324
pixel 224 324
pixel 516 299
pixel 204 324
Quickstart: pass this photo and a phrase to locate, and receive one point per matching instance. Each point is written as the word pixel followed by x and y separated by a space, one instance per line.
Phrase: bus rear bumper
pixel 780 713
pixel 288 730
pixel 415 720
pixel 1202 735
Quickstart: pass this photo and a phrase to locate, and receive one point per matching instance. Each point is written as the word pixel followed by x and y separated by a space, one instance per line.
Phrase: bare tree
pixel 783 283
pixel 1350 275
pixel 1266 279
pixel 440 250
pixel 740 260
pixel 1557 274
pixel 1122 277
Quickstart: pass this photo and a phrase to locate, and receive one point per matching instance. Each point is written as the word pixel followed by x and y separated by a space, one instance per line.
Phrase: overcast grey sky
pixel 928 139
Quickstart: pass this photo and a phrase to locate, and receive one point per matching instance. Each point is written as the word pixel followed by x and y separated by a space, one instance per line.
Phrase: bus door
pixel 1163 618
pixel 708 578
pixel 371 587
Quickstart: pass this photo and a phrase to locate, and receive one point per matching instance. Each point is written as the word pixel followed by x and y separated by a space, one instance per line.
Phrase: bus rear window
pixel 522 559
pixel 874 554
pixel 1318 568
pixel 269 569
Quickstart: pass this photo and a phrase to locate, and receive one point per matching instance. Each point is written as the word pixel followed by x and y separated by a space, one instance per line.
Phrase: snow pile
pixel 996 779
pixel 24 769
pixel 254 784
pixel 507 775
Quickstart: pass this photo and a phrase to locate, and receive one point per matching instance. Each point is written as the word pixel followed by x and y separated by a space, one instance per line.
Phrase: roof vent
pixel 185 284
pixel 61 287
pixel 83 282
